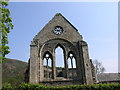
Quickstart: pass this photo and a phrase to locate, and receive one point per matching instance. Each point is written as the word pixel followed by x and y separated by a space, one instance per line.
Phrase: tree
pixel 5 27
pixel 98 67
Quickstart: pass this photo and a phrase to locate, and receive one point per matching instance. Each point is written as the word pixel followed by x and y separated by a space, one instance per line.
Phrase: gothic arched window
pixel 47 65
pixel 59 55
pixel 71 65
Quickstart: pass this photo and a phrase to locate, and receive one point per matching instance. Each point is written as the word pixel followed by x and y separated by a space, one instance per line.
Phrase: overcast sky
pixel 96 22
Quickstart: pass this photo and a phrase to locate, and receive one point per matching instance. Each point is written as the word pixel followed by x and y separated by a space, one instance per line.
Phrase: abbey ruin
pixel 59 32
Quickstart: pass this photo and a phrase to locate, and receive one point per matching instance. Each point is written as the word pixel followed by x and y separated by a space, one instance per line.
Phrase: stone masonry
pixel 59 32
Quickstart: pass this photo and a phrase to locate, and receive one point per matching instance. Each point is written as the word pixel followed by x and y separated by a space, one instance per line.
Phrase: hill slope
pixel 13 71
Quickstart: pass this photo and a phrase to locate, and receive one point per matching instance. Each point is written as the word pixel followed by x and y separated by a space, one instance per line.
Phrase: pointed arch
pixel 48 52
pixel 61 46
pixel 51 47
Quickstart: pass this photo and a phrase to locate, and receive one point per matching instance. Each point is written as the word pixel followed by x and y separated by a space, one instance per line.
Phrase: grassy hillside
pixel 13 71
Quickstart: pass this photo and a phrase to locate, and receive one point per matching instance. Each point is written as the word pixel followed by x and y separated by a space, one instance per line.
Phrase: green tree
pixel 5 27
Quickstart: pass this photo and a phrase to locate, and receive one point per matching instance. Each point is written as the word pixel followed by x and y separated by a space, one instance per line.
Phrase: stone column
pixel 47 68
pixel 87 64
pixel 80 64
pixel 72 66
pixel 33 77
pixel 65 65
pixel 53 66
pixel 41 69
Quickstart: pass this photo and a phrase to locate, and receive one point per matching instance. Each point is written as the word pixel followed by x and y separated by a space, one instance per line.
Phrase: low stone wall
pixel 62 82
pixel 115 81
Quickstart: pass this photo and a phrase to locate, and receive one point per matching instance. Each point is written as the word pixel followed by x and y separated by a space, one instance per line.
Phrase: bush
pixel 26 86
pixel 7 86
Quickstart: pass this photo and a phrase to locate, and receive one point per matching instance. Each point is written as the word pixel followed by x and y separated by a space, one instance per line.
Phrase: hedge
pixel 26 86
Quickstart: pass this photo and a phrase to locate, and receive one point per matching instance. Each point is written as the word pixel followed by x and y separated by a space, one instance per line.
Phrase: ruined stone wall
pixel 46 41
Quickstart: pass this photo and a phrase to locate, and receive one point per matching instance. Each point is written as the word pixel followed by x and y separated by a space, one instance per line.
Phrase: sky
pixel 97 22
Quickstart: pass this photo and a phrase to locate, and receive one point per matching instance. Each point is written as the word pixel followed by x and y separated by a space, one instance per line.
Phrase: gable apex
pixel 50 30
pixel 59 14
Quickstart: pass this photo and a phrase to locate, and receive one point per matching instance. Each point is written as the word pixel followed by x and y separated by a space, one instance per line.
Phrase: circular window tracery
pixel 58 30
